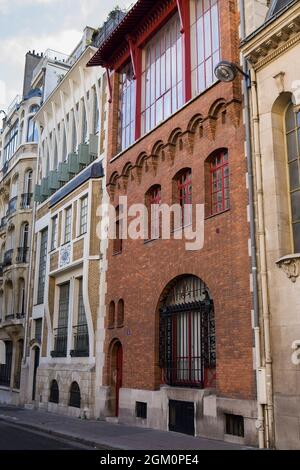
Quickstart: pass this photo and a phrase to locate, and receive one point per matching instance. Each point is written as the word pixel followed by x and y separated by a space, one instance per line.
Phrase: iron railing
pixel 12 206
pixel 26 200
pixel 8 256
pixel 60 342
pixel 22 255
pixel 81 341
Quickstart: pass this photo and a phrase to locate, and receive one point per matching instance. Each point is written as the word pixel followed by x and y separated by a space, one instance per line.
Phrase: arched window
pixel 34 108
pixel 9 299
pixel 32 132
pixel 75 396
pixel 292 123
pixel 120 314
pixel 111 314
pixel 183 195
pixel 153 203
pixel 187 334
pixel 218 199
pixel 27 195
pixel 54 392
pixel 118 240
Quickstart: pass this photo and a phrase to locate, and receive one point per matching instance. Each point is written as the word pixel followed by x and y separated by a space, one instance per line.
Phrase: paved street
pixel 13 437
pixel 16 423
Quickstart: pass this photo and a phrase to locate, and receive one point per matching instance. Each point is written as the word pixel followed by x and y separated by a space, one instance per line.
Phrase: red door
pixel 119 377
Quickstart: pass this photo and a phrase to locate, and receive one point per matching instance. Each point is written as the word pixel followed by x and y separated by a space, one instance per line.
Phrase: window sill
pixel 218 213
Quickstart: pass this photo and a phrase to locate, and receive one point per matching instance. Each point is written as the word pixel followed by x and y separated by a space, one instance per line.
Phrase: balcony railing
pixel 81 341
pixel 26 200
pixel 8 256
pixel 12 206
pixel 22 255
pixel 60 342
pixel 14 317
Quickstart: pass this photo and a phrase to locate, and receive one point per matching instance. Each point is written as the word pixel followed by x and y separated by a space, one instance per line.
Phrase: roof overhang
pixel 140 16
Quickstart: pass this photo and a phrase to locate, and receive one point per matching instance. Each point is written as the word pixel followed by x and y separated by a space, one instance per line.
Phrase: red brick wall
pixel 140 274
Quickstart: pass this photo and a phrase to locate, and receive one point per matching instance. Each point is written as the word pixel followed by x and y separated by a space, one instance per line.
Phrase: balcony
pixel 12 206
pixel 60 342
pixel 22 256
pixel 81 341
pixel 26 200
pixel 8 256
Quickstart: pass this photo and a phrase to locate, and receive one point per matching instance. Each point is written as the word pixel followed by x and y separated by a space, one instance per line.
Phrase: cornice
pixel 274 40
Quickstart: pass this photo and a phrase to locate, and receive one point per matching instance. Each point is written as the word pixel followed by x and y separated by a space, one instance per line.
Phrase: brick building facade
pixel 161 297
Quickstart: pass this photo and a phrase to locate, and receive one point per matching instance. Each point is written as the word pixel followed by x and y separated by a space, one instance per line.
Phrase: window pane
pixel 162 75
pixel 292 146
pixel 296 206
pixel 290 119
pixel 296 229
pixel 294 175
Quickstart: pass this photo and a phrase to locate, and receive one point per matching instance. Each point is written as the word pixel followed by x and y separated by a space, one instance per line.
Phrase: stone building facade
pixel 67 274
pixel 18 153
pixel 272 52
pixel 178 340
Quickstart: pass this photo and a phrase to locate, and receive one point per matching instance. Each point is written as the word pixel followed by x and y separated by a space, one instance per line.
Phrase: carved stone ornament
pixel 291 266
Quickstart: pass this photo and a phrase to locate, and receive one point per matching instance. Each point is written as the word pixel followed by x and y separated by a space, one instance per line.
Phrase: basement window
pixel 235 425
pixel 141 410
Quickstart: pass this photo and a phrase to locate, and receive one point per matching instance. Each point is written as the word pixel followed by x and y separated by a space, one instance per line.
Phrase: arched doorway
pixel 116 375
pixel 187 334
pixel 36 352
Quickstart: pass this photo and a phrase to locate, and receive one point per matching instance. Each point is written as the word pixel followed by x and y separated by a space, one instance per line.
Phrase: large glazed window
pixel 162 75
pixel 205 43
pixel 126 108
pixel 219 180
pixel 292 121
pixel 187 335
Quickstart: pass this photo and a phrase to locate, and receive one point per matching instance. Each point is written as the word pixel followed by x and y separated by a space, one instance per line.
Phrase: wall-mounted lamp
pixel 227 71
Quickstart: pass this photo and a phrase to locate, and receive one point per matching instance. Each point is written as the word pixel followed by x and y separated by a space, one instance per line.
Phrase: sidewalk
pixel 107 435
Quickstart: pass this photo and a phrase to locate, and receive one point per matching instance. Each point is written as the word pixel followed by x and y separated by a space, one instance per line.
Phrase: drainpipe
pixel 260 410
pixel 263 263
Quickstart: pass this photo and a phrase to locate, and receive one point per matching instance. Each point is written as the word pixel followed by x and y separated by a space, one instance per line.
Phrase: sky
pixel 39 25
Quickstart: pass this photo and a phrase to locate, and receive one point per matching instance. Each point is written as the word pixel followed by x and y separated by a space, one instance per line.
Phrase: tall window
pixel 184 195
pixel 5 370
pixel 187 335
pixel 32 132
pixel 162 75
pixel 74 133
pixel 81 335
pixel 28 182
pixel 85 135
pixel 126 108
pixel 11 141
pixel 61 337
pixel 68 225
pixel 42 266
pixel 64 143
pixel 83 215
pixel 219 170
pixel 54 231
pixel 153 201
pixel 205 43
pixel 96 114
pixel 293 150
